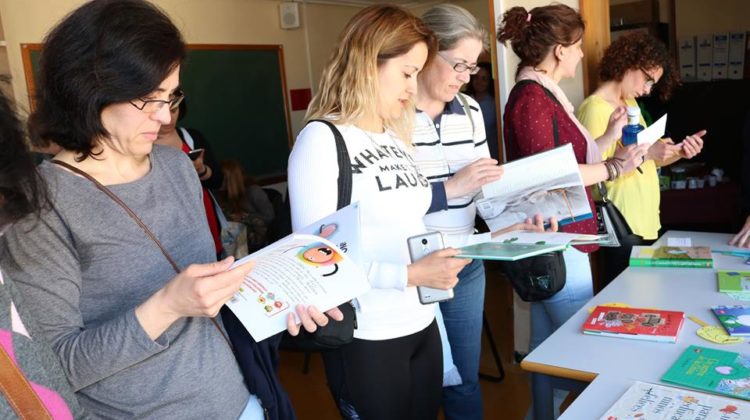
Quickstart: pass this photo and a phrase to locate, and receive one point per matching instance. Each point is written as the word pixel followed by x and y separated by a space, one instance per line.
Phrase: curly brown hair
pixel 636 51
pixel 532 34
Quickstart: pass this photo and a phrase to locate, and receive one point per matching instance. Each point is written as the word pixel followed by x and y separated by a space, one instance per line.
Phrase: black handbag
pixel 336 333
pixel 536 278
pixel 611 224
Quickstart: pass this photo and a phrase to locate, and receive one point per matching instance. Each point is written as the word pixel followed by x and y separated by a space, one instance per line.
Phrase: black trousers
pixel 400 378
pixel 615 260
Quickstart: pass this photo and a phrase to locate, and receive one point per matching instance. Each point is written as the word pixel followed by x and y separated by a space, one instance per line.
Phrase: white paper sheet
pixel 653 132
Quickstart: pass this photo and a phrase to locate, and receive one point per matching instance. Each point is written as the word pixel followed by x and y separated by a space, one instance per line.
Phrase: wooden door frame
pixel 596 38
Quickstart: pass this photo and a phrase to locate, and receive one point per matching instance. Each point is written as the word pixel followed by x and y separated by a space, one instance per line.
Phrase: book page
pixel 656 402
pixel 299 269
pixel 548 183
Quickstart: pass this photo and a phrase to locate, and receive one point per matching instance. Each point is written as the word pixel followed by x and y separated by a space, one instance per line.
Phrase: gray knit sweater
pixel 84 267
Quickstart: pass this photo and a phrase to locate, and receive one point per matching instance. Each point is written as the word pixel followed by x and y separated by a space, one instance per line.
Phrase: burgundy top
pixel 528 130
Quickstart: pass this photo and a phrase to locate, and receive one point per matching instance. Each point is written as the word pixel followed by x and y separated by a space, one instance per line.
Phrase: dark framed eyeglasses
pixel 461 67
pixel 650 82
pixel 154 105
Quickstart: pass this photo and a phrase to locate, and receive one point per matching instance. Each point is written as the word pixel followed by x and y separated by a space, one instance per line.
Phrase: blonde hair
pixel 348 88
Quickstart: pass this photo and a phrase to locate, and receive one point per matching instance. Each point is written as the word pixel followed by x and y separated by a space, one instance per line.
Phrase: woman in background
pixel 450 149
pixel 539 117
pixel 392 369
pixel 244 201
pixel 634 65
pixel 482 89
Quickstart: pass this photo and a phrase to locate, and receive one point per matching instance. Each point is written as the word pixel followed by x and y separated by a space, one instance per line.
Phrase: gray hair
pixel 451 24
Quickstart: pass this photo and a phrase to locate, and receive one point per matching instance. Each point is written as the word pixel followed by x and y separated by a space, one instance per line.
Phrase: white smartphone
pixel 419 246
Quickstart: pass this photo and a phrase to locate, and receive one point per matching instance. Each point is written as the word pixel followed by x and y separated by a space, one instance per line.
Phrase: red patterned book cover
pixel 635 323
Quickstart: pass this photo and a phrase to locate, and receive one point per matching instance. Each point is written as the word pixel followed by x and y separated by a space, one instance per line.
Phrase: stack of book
pixel 635 323
pixel 671 256
pixel 734 283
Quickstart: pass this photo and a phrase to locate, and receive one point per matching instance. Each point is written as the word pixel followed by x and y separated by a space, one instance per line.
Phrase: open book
pixel 548 183
pixel 301 268
pixel 657 402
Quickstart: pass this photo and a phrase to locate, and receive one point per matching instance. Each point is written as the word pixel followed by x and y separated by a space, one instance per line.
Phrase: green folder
pixel 506 251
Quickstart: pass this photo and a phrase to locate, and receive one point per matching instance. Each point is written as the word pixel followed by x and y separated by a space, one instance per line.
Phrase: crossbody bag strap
pixel 467 111
pixel 345 167
pixel 17 390
pixel 140 223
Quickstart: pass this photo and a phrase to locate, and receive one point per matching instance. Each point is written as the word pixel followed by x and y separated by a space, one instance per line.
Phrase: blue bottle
pixel 630 131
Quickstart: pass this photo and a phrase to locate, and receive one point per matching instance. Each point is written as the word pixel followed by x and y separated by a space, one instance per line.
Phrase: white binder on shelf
pixel 687 57
pixel 720 56
pixel 736 55
pixel 704 61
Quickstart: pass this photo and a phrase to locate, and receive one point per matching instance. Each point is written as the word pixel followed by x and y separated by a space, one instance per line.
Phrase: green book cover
pixel 506 251
pixel 733 281
pixel 715 371
pixel 671 256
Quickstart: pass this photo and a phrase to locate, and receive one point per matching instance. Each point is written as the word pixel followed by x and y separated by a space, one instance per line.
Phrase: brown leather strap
pixel 140 223
pixel 21 397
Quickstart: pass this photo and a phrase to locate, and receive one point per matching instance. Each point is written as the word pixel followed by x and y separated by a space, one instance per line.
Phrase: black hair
pixel 21 188
pixel 104 52
pixel 183 109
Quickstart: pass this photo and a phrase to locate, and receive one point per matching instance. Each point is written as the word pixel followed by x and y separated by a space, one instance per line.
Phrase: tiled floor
pixel 507 400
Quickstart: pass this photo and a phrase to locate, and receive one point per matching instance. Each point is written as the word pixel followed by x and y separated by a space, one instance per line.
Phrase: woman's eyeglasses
pixel 650 82
pixel 461 67
pixel 154 105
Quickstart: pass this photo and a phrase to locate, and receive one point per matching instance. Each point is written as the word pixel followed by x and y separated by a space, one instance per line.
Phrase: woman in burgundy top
pixel 539 117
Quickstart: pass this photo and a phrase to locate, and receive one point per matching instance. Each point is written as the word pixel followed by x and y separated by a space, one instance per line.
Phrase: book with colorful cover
pixel 635 323
pixel 731 281
pixel 715 371
pixel 671 256
pixel 735 319
pixel 658 402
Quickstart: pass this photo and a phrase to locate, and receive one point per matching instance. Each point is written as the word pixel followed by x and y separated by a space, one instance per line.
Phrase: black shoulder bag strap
pixel 345 167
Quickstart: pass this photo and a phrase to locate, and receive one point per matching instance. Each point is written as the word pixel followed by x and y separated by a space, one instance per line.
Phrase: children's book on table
pixel 735 319
pixel 635 323
pixel 711 370
pixel 732 281
pixel 671 256
pixel 648 401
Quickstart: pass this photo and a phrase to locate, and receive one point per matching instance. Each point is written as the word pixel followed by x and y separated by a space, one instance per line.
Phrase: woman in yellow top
pixel 632 65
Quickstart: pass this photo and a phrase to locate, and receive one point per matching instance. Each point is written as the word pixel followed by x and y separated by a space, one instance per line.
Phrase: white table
pixel 569 353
